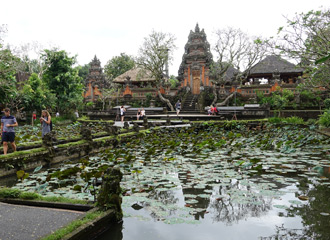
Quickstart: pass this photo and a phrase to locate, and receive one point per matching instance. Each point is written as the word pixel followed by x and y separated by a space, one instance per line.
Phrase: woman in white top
pixel 142 114
pixel 122 113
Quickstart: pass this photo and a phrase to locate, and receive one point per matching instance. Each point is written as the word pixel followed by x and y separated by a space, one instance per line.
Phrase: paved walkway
pixel 19 222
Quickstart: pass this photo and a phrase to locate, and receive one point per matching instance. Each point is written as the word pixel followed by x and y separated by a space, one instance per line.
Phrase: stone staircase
pixel 189 105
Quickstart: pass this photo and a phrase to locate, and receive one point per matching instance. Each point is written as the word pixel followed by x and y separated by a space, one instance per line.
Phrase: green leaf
pixel 322 60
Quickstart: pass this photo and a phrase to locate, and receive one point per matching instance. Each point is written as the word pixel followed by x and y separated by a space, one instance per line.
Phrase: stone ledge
pixel 58 205
pixel 94 228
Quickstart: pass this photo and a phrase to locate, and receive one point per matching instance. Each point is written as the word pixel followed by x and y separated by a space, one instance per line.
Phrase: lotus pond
pixel 209 182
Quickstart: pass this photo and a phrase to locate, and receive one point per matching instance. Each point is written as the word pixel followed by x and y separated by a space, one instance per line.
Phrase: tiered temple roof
pixel 95 80
pixel 134 75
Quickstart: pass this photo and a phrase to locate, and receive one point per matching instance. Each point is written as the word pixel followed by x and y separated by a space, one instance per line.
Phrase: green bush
pixel 56 120
pixel 311 121
pixel 324 119
pixel 327 103
pixel 29 195
pixel 275 120
pixel 294 120
pixel 9 193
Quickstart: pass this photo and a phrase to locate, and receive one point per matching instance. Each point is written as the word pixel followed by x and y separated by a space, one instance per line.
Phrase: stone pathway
pixel 19 222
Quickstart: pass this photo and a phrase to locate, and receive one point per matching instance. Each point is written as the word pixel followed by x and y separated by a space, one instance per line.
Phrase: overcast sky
pixel 106 28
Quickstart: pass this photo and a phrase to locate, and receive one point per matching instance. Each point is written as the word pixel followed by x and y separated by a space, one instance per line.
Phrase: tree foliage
pixel 63 80
pixel 118 65
pixel 306 38
pixel 36 96
pixel 155 52
pixel 83 71
pixel 235 49
pixel 8 64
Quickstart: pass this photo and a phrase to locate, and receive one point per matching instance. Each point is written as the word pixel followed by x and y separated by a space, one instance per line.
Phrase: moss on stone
pixel 70 144
pixel 24 152
pixel 96 121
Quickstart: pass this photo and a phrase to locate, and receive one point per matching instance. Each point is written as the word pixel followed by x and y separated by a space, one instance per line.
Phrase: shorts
pixel 8 137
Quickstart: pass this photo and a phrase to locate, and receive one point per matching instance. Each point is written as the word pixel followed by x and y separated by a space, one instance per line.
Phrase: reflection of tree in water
pixel 202 202
pixel 114 233
pixel 316 225
pixel 287 233
pixel 163 200
pixel 228 209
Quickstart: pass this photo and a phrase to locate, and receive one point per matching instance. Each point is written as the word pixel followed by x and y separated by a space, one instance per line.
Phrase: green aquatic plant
pixel 324 119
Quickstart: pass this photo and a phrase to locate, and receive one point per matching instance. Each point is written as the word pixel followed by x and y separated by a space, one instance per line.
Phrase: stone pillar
pixel 110 193
pixel 145 122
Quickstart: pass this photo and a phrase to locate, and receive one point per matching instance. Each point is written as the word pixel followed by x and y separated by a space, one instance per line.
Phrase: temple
pixel 195 67
pixel 136 83
pixel 195 77
pixel 95 81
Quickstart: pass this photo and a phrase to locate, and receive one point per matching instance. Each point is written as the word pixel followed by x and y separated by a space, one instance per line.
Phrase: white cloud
pixel 107 28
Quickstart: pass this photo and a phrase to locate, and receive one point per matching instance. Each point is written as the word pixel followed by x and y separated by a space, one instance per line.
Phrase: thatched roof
pixel 230 73
pixel 135 75
pixel 272 64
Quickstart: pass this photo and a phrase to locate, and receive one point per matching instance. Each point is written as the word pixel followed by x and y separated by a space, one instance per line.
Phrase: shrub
pixel 274 120
pixel 311 121
pixel 9 193
pixel 294 120
pixel 327 103
pixel 324 119
pixel 29 195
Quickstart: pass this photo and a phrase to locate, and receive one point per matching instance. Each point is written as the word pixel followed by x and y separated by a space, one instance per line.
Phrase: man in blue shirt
pixel 7 130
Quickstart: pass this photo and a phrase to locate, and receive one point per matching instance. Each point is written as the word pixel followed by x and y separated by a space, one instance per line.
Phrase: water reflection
pixel 114 233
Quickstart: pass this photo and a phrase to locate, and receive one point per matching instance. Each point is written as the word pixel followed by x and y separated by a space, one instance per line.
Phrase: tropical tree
pixel 107 94
pixel 155 52
pixel 28 64
pixel 174 81
pixel 83 71
pixel 118 65
pixel 8 64
pixel 63 80
pixel 36 96
pixel 235 49
pixel 306 38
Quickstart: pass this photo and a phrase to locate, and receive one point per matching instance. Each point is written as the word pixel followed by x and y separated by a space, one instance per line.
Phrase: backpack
pixel 51 125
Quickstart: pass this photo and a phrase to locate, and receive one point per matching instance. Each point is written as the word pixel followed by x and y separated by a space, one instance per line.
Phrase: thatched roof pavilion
pixel 135 75
pixel 275 65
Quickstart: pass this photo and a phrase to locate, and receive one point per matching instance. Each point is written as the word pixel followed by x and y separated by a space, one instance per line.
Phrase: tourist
pixel 34 116
pixel 138 114
pixel 214 110
pixel 209 110
pixel 178 107
pixel 57 114
pixel 143 113
pixel 122 113
pixel 45 121
pixel 8 123
pixel 77 114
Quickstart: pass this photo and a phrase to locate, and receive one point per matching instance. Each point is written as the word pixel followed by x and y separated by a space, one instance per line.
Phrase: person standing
pixel 8 123
pixel 34 117
pixel 45 121
pixel 178 107
pixel 122 113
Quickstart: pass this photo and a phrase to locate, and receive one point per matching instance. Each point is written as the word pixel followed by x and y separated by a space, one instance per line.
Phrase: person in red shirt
pixel 214 111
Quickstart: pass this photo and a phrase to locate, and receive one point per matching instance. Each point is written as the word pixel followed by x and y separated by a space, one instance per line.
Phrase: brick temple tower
pixel 195 67
pixel 95 81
